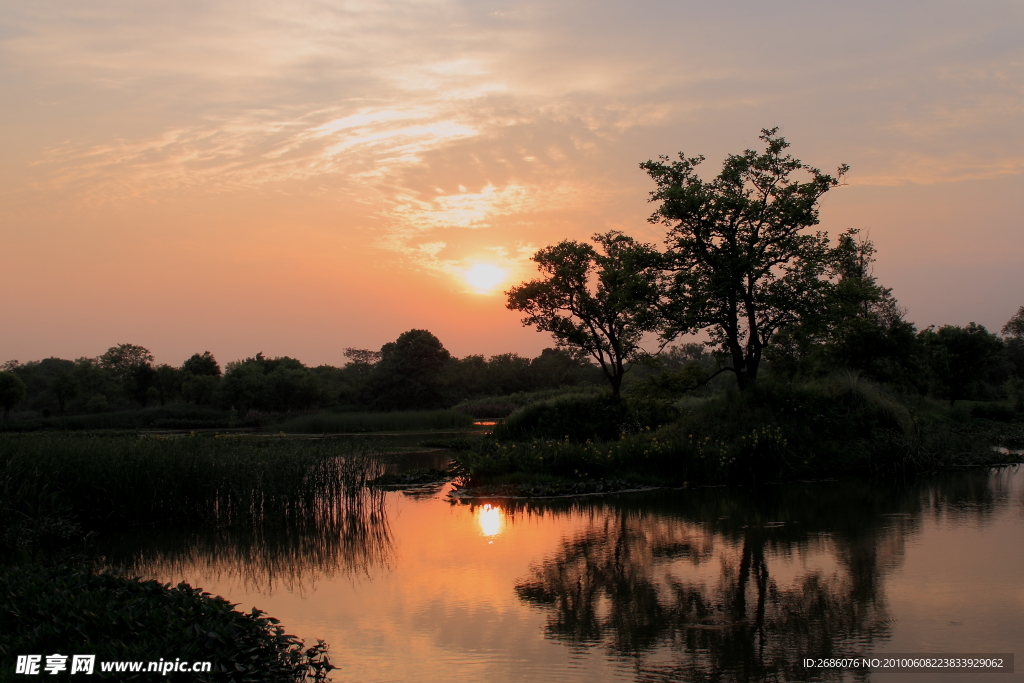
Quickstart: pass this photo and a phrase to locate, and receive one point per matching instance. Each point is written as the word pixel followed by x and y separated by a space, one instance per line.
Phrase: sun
pixel 484 277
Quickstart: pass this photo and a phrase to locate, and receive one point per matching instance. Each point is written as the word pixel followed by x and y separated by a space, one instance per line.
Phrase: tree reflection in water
pixel 346 534
pixel 641 578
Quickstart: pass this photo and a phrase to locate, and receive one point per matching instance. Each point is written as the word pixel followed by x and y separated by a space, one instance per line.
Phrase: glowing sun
pixel 484 277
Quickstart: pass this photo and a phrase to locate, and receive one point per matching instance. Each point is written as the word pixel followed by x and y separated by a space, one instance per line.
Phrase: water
pixel 729 584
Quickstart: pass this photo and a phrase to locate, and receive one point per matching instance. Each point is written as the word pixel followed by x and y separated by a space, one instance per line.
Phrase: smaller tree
pixel 124 359
pixel 131 366
pixel 554 368
pixel 409 374
pixel 167 381
pixel 1013 335
pixel 201 365
pixel 64 387
pixel 12 392
pixel 198 378
pixel 858 325
pixel 960 356
pixel 1014 327
pixel 597 302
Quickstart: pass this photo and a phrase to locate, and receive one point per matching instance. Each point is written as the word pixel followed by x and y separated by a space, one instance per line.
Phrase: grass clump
pixel 68 610
pixel 337 423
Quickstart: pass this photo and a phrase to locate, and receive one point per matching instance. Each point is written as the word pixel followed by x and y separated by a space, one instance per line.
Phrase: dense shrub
pixel 488 408
pixel 993 411
pixel 585 417
pixel 67 610
pixel 506 404
pixel 336 423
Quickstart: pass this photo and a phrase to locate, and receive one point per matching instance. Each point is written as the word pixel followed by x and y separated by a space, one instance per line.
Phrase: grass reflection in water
pixel 347 535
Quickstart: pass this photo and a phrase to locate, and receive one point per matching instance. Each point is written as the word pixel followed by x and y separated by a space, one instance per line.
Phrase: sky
pixel 297 178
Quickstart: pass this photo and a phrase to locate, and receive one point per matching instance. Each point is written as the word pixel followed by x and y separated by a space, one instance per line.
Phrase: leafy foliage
pixel 12 391
pixel 68 610
pixel 409 373
pixel 959 356
pixel 738 263
pixel 594 302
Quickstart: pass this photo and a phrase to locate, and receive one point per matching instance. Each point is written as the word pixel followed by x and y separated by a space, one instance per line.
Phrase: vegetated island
pixel 810 370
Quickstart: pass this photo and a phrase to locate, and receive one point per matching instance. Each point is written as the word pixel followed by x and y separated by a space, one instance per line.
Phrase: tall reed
pixel 127 480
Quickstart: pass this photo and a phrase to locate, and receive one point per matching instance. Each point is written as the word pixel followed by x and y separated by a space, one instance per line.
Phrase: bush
pixel 585 417
pixel 993 411
pixel 337 423
pixel 489 408
pixel 1015 392
pixel 67 610
pixel 505 405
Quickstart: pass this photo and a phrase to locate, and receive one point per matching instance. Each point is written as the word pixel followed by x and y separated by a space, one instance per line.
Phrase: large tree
pixel 597 302
pixel 740 262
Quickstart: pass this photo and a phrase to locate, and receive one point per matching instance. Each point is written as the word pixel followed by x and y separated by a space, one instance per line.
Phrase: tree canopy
pixel 739 263
pixel 408 374
pixel 202 365
pixel 960 356
pixel 597 302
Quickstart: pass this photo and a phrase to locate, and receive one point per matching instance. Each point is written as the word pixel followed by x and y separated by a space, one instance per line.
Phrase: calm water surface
pixel 713 584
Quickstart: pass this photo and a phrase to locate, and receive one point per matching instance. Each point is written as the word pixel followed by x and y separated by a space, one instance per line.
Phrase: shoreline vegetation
pixel 840 426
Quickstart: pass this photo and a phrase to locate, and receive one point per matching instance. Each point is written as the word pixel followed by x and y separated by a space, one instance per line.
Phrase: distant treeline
pixel 416 372
pixel 413 372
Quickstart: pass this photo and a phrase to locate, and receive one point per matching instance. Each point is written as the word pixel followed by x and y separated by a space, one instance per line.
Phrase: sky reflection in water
pixel 725 584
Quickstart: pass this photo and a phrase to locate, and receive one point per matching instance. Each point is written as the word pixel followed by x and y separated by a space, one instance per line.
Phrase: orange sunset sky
pixel 296 178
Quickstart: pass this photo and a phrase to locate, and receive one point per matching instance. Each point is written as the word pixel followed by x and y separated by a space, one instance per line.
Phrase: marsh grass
pixel 338 423
pixel 169 417
pixel 118 481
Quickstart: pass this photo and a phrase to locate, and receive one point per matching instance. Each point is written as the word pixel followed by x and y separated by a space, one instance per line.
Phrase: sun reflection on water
pixel 491 520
